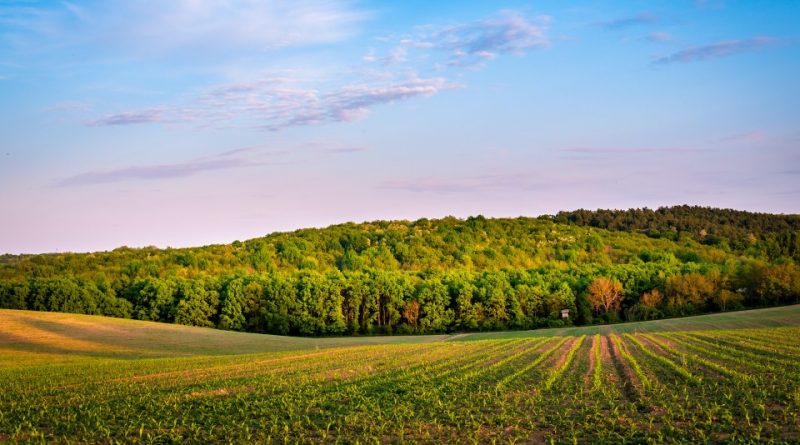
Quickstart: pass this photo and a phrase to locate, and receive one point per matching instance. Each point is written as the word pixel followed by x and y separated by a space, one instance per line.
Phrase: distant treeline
pixel 775 235
pixel 428 276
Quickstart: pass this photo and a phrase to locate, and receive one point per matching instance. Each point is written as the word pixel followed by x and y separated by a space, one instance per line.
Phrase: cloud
pixel 343 150
pixel 718 50
pixel 476 42
pixel 642 18
pixel 435 185
pixel 158 171
pixel 639 150
pixel 331 147
pixel 68 107
pixel 750 136
pixel 252 156
pixel 398 54
pixel 238 23
pixel 510 33
pixel 470 44
pixel 283 100
pixel 129 118
pixel 279 103
pixel 237 151
pixel 354 101
pixel 529 181
pixel 155 26
pixel 659 37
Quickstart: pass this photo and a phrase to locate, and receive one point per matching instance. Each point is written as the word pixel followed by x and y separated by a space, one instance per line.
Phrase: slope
pixel 50 335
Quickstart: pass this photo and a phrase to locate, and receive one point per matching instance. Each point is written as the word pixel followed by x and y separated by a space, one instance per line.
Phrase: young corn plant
pixel 556 373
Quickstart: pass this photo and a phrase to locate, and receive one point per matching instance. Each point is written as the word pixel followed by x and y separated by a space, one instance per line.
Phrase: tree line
pixel 390 302
pixel 771 235
pixel 423 276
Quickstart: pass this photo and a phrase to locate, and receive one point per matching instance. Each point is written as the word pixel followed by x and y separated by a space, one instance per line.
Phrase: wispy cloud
pixel 325 146
pixel 398 54
pixel 659 37
pixel 278 103
pixel 718 50
pixel 471 44
pixel 642 18
pixel 435 185
pixel 530 181
pixel 343 150
pixel 282 101
pixel 162 171
pixel 235 23
pixel 251 156
pixel 237 152
pixel 129 118
pixel 637 150
pixel 154 26
pixel 750 136
pixel 353 101
pixel 510 33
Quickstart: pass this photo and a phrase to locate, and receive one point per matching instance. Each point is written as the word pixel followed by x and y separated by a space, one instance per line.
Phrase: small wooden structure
pixel 564 313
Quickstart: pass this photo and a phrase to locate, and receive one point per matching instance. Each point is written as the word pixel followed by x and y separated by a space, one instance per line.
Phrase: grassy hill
pixel 51 334
pixel 42 336
pixel 756 318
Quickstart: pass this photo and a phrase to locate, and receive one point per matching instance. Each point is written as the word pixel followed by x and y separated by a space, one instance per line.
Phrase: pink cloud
pixel 750 136
pixel 718 50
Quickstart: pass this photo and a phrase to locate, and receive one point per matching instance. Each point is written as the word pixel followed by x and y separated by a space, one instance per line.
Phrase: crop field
pixel 756 318
pixel 714 385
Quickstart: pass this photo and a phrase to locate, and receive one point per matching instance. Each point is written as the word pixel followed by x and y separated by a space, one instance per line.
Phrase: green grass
pixel 755 318
pixel 70 378
pixel 29 332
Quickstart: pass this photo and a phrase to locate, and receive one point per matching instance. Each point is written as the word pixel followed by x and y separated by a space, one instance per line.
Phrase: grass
pixel 754 318
pixel 89 335
pixel 69 378
pixel 29 332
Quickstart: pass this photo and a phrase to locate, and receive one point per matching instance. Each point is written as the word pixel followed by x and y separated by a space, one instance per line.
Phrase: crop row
pixel 689 386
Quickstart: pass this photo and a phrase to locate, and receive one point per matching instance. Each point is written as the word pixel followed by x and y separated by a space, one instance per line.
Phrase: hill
pixel 42 336
pixel 28 336
pixel 425 276
pixel 765 234
pixel 88 379
pixel 774 317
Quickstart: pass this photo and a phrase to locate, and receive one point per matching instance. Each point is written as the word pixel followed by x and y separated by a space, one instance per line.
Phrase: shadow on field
pixel 13 342
pixel 112 338
pixel 87 335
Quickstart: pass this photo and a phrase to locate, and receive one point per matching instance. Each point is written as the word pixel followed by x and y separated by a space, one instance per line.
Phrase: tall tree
pixel 605 294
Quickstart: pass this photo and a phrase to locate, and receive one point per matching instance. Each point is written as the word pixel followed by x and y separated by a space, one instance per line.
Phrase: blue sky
pixel 204 121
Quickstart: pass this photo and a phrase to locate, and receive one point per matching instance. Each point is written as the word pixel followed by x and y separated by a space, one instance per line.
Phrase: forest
pixel 433 276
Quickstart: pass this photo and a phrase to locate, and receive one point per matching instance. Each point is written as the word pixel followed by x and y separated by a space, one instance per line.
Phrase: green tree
pixel 197 303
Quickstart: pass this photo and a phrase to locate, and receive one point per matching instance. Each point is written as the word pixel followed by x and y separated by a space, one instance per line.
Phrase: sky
pixel 192 122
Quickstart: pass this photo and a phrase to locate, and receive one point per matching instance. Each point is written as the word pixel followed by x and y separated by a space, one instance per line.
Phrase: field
pixel 759 318
pixel 68 378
